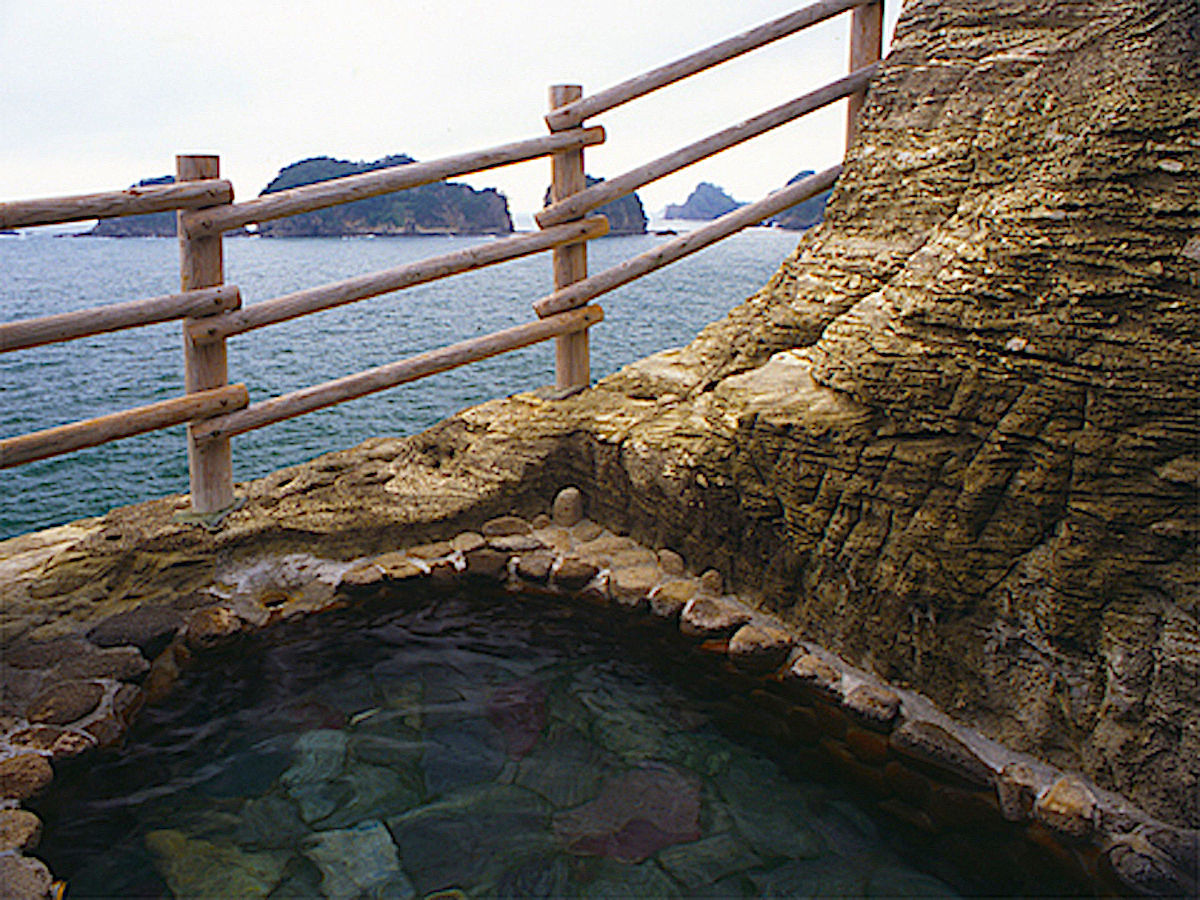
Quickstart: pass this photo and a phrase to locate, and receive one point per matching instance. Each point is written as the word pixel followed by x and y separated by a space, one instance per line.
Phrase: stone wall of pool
pixel 77 689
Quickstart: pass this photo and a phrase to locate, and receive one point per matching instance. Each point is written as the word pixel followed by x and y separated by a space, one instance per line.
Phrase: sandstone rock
pixel 468 541
pixel 36 737
pixel 760 649
pixel 148 627
pixel 23 775
pixel 572 573
pixel 668 599
pixel 487 563
pixel 504 526
pixel 872 704
pixel 19 830
pixel 24 878
pixel 535 566
pixel 586 530
pixel 436 550
pixel 631 587
pixel 814 673
pixel 65 702
pixel 712 582
pixel 709 617
pixel 671 562
pixel 211 624
pixel 119 663
pixel 568 507
pixel 1016 789
pixel 1068 806
pixel 45 654
pixel 541 520
pixel 515 543
pixel 362 575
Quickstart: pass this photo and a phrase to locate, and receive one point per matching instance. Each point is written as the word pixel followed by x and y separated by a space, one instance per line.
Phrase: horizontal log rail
pixel 328 296
pixel 583 291
pixel 572 114
pixel 319 396
pixel 382 181
pixel 91 432
pixel 102 319
pixel 607 191
pixel 135 201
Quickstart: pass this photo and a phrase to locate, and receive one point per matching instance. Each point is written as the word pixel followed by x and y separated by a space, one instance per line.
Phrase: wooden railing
pixel 212 311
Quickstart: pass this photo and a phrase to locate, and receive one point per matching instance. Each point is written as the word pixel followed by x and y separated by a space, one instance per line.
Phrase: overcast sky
pixel 97 95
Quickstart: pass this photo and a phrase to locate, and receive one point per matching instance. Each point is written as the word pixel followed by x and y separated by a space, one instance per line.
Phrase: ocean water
pixel 47 386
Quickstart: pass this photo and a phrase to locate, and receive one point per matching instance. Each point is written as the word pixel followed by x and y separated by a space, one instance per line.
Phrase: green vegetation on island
pixel 161 224
pixel 441 208
pixel 625 215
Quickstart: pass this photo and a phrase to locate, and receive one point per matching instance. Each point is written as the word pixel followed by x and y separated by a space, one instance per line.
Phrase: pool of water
pixel 478 743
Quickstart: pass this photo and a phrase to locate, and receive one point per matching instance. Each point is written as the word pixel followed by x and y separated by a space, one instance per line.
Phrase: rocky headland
pixel 626 215
pixel 951 449
pixel 804 215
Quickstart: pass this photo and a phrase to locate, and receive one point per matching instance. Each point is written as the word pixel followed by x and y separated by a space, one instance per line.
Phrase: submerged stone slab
pixel 197 869
pixel 358 862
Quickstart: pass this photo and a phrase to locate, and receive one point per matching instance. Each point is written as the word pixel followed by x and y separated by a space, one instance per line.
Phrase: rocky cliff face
pixel 955 438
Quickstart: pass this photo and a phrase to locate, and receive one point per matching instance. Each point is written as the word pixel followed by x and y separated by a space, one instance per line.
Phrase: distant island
pixel 802 215
pixel 441 208
pixel 706 202
pixel 625 215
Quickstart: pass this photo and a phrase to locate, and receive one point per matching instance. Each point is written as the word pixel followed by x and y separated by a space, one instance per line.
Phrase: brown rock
pixel 711 582
pixel 436 550
pixel 535 566
pixel 568 507
pixel 71 743
pixel 45 654
pixel 362 575
pixel 468 541
pixel 668 599
pixel 760 648
pixel 953 808
pixel 1149 873
pixel 107 730
pixel 933 745
pixel 504 526
pixel 23 775
pixel 65 702
pixel 541 520
pixel 1016 789
pixel 36 737
pixel 211 624
pixel 1068 807
pixel 876 706
pixel 573 573
pixel 515 543
pixel 816 675
pixel 868 746
pixel 671 562
pixel 149 628
pixel 128 701
pixel 485 562
pixel 711 617
pixel 918 818
pixel 117 663
pixel 24 878
pixel 586 530
pixel 19 830
pixel 398 566
pixel 631 587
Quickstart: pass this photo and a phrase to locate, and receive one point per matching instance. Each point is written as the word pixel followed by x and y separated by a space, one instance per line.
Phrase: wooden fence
pixel 212 311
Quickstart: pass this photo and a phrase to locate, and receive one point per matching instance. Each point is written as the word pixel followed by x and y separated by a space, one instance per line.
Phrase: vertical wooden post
pixel 866 47
pixel 572 360
pixel 201 264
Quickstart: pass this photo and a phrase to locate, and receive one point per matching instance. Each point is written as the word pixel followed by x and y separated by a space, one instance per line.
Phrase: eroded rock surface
pixel 954 439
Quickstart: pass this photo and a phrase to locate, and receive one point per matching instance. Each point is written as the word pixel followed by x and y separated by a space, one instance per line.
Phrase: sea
pixel 42 387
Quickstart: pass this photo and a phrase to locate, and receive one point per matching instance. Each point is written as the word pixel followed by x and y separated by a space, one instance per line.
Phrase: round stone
pixel 712 582
pixel 65 702
pixel 19 830
pixel 487 563
pixel 24 877
pixel 568 507
pixel 535 566
pixel 815 673
pixel 760 649
pixel 712 617
pixel 874 705
pixel 1068 807
pixel 24 775
pixel 468 541
pixel 671 562
pixel 572 574
pixel 503 526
